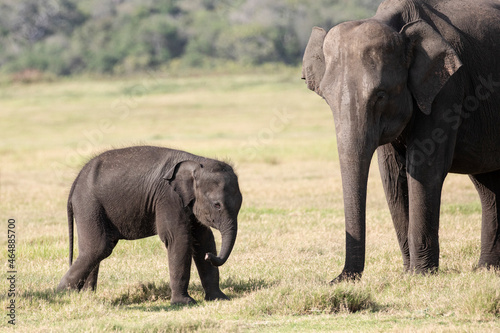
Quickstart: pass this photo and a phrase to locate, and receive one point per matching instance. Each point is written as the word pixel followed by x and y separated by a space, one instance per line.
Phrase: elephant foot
pixel 182 300
pixel 64 288
pixel 346 277
pixel 489 261
pixel 427 270
pixel 218 295
pixel 493 266
pixel 64 285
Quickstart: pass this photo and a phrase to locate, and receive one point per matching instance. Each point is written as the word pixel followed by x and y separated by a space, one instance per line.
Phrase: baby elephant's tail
pixel 70 226
pixel 69 208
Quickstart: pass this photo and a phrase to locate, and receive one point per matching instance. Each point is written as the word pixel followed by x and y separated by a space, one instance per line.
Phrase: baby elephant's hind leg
pixel 94 246
pixel 91 281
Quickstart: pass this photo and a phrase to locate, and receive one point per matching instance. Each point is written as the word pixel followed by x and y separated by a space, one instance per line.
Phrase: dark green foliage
pixel 125 36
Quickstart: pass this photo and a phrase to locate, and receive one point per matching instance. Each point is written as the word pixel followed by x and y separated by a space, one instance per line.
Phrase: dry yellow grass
pixel 281 140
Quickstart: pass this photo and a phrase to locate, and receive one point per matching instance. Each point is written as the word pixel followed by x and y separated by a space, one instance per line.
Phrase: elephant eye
pixel 381 94
pixel 217 205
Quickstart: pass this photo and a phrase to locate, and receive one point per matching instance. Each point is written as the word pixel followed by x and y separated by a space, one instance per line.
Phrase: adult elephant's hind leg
pixel 394 180
pixel 488 187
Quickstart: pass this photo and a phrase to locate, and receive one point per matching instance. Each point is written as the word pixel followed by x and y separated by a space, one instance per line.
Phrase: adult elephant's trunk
pixel 355 158
pixel 228 234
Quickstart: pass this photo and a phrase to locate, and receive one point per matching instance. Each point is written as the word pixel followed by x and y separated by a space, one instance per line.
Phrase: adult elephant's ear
pixel 431 60
pixel 182 177
pixel 313 62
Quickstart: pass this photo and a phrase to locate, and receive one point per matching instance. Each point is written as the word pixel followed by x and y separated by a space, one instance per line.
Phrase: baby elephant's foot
pixel 182 300
pixel 217 295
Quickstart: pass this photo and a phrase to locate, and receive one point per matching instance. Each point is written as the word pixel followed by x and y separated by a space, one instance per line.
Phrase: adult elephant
pixel 420 83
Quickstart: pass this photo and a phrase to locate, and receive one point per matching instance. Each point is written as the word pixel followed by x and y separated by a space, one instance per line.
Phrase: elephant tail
pixel 69 208
pixel 70 226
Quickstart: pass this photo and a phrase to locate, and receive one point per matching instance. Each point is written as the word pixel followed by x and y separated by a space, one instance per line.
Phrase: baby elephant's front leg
pixel 179 266
pixel 174 229
pixel 204 242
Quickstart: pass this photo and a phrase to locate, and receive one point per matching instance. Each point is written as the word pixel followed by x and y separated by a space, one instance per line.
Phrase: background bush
pixel 65 37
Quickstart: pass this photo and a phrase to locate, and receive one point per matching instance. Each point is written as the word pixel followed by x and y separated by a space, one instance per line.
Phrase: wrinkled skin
pixel 138 192
pixel 420 83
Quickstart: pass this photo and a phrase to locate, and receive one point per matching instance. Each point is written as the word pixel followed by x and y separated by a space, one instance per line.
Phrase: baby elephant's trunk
pixel 228 239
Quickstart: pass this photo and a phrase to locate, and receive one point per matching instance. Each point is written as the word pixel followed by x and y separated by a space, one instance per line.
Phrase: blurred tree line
pixel 67 37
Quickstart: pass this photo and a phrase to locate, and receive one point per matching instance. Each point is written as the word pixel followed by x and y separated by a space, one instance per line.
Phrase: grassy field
pixel 280 138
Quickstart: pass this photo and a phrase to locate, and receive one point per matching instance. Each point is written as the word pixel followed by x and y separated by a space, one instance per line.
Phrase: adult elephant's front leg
pixel 393 174
pixel 424 189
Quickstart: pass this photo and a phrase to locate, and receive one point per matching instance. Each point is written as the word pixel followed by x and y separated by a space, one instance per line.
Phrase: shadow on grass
pixel 144 293
pixel 238 288
pixel 48 295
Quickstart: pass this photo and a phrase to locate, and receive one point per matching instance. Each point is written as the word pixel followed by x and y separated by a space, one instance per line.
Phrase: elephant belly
pixel 134 226
pixel 482 156
pixel 469 165
pixel 477 148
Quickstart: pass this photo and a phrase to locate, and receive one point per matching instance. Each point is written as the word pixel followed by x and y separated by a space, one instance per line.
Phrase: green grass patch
pixel 462 209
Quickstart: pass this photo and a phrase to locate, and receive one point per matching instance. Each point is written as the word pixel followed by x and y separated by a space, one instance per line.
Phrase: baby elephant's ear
pixel 183 168
pixel 182 177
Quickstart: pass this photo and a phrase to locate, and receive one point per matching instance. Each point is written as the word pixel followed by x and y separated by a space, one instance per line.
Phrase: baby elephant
pixel 138 192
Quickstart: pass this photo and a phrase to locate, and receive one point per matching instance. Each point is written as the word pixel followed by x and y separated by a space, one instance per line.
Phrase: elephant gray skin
pixel 420 83
pixel 138 192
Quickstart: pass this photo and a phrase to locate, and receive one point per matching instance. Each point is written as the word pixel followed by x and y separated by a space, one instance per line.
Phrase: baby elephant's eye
pixel 217 205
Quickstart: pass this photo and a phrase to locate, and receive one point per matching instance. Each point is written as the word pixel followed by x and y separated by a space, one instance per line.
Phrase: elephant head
pixel 374 78
pixel 211 190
